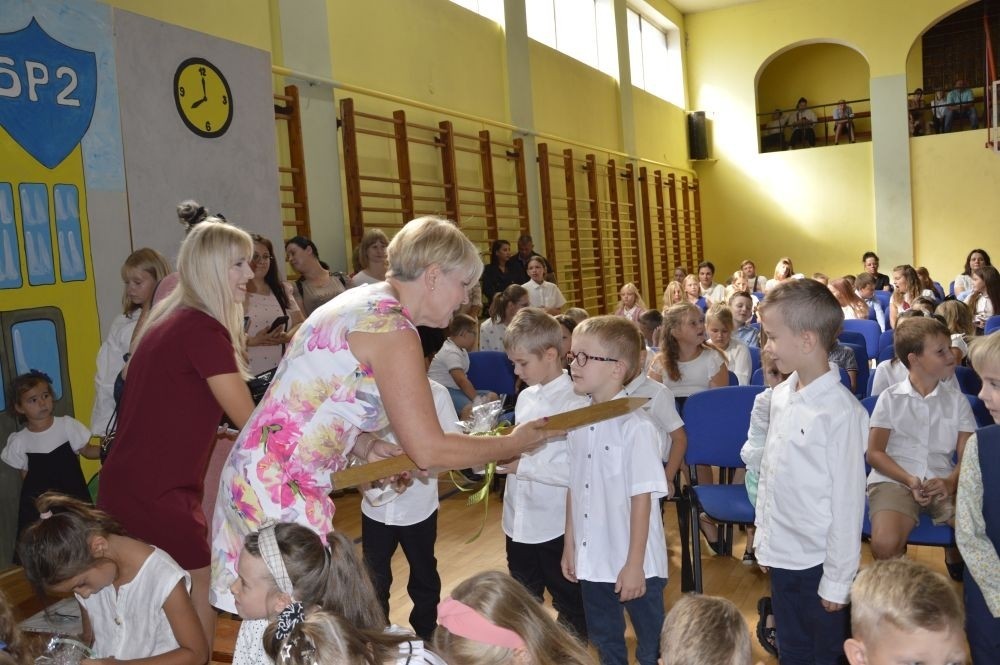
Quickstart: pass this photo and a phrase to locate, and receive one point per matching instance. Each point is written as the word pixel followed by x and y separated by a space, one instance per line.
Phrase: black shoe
pixel 767 637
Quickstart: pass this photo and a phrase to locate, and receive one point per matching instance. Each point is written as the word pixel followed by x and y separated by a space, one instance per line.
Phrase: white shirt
pixel 491 335
pixel 131 623
pixel 448 358
pixel 64 430
pixel 695 374
pixel 420 499
pixel 752 451
pixel 609 463
pixel 661 407
pixel 738 360
pixel 715 292
pixel 923 430
pixel 110 361
pixel 362 277
pixel 544 295
pixel 811 493
pixel 963 284
pixel 890 372
pixel 534 501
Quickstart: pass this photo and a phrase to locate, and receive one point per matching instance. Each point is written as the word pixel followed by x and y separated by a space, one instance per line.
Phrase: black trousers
pixel 379 542
pixel 538 566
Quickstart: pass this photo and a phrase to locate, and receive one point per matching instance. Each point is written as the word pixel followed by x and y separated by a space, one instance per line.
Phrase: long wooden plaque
pixel 366 473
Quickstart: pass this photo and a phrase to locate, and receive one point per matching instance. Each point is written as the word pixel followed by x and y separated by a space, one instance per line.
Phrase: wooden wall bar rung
pixel 371 116
pixel 382 195
pixel 376 132
pixel 288 109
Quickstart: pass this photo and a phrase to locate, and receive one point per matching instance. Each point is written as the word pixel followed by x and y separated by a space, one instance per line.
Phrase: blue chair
pixel 754 358
pixel 883 299
pixel 733 381
pixel 983 416
pixel 888 353
pixel 852 337
pixel 940 290
pixel 759 295
pixel 992 324
pixel 885 339
pixel 951 288
pixel 871 384
pixel 757 378
pixel 716 441
pixel 861 356
pixel 968 381
pixel 491 370
pixel 869 330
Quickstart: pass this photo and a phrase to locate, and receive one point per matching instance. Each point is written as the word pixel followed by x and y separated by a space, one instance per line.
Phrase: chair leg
pixel 684 533
pixel 696 545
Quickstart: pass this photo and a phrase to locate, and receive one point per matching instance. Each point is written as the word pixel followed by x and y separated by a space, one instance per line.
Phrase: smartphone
pixel 279 322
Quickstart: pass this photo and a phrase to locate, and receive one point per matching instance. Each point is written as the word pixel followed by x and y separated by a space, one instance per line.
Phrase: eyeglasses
pixel 260 257
pixel 582 358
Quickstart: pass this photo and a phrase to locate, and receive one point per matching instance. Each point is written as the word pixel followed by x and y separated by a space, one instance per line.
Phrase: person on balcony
pixel 961 104
pixel 803 122
pixel 843 118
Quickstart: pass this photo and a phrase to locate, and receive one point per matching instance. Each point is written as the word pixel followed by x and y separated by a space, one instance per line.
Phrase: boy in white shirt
pixel 451 365
pixel 916 428
pixel 534 500
pixel 811 489
pixel 615 545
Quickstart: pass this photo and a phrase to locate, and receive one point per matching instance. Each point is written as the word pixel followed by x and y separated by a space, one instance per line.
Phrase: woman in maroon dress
pixel 188 367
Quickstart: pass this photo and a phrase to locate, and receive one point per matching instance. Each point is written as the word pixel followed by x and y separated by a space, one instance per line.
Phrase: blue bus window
pixel 37 233
pixel 71 267
pixel 36 347
pixel 10 252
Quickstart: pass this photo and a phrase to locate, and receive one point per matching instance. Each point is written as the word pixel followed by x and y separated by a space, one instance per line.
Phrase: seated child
pixel 578 314
pixel 864 286
pixel 534 500
pixel 409 519
pixel 615 546
pixel 704 630
pixel 890 372
pixel 692 292
pixel 651 327
pixel 902 612
pixel 673 294
pixel 916 427
pixel 133 597
pixel 686 363
pixel 490 618
pixel 47 451
pixel 719 326
pixel 542 294
pixel 977 525
pixel 566 324
pixel 742 306
pixel 503 308
pixel 958 317
pixel 630 304
pixel 451 364
pixel 810 493
pixel 843 356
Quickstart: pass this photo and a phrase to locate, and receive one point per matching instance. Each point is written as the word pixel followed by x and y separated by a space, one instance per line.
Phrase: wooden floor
pixel 723 576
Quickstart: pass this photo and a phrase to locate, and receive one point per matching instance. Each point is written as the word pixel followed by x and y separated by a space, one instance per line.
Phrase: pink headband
pixel 466 622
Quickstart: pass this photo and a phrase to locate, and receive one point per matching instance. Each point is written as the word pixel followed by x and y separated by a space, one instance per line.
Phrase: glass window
pixel 582 29
pixel 36 346
pixel 491 9
pixel 10 251
pixel 37 233
pixel 649 56
pixel 71 265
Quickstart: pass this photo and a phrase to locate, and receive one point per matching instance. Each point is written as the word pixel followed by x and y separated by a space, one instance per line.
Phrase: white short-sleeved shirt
pixel 491 335
pixel 715 293
pixel 752 451
pixel 362 277
pixel 890 372
pixel 738 360
pixel 420 499
pixel 924 430
pixel 609 463
pixel 448 358
pixel 534 501
pixel 110 361
pixel 64 429
pixel 695 374
pixel 131 623
pixel 661 407
pixel 811 492
pixel 544 295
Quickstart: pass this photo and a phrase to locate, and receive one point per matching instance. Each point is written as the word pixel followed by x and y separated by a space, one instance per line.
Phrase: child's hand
pixel 569 561
pixel 936 487
pixel 917 490
pixel 631 583
pixel 831 606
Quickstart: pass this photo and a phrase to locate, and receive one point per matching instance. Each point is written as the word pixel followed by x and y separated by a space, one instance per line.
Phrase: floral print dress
pixel 320 400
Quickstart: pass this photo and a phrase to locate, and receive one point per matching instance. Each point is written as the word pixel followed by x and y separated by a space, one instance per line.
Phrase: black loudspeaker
pixel 697 136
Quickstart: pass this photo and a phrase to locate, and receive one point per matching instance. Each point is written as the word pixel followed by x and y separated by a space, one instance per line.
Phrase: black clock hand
pixel 203 93
pixel 199 102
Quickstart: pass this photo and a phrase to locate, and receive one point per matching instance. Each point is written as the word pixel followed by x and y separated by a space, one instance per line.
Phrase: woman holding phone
pixel 272 315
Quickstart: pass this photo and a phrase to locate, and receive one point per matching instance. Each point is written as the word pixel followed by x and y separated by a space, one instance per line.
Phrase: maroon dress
pixel 153 479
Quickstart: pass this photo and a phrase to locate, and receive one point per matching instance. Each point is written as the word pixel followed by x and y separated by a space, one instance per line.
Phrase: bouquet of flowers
pixel 484 422
pixel 64 651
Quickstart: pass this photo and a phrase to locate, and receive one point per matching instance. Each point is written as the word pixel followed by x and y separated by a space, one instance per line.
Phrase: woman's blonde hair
pixel 149 261
pixel 370 237
pixel 783 269
pixel 432 240
pixel 721 312
pixel 210 248
pixel 324 637
pixel 667 300
pixel 505 603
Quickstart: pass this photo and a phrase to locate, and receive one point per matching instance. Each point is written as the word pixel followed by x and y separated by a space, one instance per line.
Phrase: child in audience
pixel 630 303
pixel 977 525
pixel 704 630
pixel 821 278
pixel 673 294
pixel 742 305
pixel 490 618
pixel 692 293
pixel 503 308
pixel 566 324
pixel 907 285
pixel 958 318
pixel 47 451
pixel 843 356
pixel 719 326
pixel 650 323
pixel 686 363
pixel 864 287
pixel 850 303
pixel 451 365
pixel 890 372
pixel 985 295
pixel 916 428
pixel 927 284
pixel 615 545
pixel 902 612
pixel 810 494
pixel 710 290
pixel 925 304
pixel 133 597
pixel 578 314
pixel 410 519
pixel 545 295
pixel 286 564
pixel 14 647
pixel 323 636
pixel 783 270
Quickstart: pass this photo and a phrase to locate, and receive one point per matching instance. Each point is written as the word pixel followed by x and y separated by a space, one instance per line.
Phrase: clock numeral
pixel 180 91
pixel 201 70
pixel 208 126
pixel 225 100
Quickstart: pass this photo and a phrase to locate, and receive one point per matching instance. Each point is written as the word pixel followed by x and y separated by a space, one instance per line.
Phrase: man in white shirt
pixel 802 122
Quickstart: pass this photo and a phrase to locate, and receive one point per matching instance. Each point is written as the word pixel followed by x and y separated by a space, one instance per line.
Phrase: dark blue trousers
pixel 807 633
pixel 606 621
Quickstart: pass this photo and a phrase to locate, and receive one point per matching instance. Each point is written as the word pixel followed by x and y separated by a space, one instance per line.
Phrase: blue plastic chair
pixel 883 299
pixel 992 324
pixel 869 330
pixel 888 353
pixel 491 370
pixel 716 441
pixel 757 378
pixel 733 380
pixel 871 384
pixel 951 288
pixel 861 356
pixel 885 339
pixel 754 359
pixel 939 289
pixel 759 295
pixel 852 337
pixel 968 381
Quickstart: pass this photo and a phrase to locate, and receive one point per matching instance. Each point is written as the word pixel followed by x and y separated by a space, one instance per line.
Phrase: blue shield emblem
pixel 47 94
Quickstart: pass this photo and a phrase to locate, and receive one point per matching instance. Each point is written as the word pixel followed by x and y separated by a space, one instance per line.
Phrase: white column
pixel 891 171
